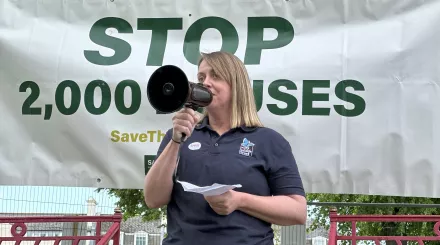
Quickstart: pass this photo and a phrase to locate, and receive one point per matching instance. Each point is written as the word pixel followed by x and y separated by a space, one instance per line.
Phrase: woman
pixel 227 145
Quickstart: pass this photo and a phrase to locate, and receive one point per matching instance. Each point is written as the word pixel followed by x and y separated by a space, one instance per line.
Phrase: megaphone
pixel 168 90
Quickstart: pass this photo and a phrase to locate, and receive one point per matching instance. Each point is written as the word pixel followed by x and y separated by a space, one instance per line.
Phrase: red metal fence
pixel 334 237
pixel 19 228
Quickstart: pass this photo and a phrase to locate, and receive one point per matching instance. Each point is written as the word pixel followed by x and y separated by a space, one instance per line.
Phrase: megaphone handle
pixel 183 138
pixel 192 106
pixel 195 108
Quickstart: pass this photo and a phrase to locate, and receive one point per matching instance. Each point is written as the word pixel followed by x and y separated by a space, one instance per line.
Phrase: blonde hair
pixel 231 69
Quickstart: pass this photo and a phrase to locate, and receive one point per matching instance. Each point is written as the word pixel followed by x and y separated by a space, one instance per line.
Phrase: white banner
pixel 353 85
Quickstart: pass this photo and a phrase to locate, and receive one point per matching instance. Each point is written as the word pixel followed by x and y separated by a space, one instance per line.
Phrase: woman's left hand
pixel 225 203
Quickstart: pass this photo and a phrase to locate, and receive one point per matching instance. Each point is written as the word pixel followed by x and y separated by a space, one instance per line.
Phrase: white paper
pixel 212 190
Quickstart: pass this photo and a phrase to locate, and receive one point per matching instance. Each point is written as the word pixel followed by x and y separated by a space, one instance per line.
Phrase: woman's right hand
pixel 184 122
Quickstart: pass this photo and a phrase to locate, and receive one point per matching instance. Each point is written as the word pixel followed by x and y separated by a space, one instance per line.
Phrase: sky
pixel 41 199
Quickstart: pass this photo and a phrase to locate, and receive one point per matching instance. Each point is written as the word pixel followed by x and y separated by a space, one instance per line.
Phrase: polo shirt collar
pixel 205 124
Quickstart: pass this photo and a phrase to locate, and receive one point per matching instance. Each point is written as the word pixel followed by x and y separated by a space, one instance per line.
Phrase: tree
pixel 321 215
pixel 132 204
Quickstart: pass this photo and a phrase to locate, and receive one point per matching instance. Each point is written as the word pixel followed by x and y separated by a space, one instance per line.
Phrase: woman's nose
pixel 207 83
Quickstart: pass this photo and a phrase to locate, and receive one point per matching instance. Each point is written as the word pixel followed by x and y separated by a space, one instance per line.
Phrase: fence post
pixel 116 238
pixel 333 226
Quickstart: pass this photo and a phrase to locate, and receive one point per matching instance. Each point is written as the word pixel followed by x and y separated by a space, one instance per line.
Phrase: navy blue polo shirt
pixel 259 159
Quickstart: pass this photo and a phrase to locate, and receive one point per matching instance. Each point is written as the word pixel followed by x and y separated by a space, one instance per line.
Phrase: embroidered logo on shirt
pixel 194 146
pixel 246 148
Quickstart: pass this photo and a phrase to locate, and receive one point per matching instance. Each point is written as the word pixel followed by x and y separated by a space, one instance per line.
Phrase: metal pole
pixel 357 204
pixel 162 229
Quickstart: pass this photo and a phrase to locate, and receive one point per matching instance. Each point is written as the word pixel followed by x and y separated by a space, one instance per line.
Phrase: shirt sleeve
pixel 283 174
pixel 164 142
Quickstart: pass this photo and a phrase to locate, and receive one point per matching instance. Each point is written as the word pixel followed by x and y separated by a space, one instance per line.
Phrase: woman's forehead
pixel 204 68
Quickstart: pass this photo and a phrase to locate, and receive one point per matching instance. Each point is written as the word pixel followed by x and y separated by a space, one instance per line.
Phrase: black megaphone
pixel 168 90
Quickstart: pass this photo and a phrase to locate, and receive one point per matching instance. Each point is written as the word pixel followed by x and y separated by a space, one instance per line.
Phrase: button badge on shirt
pixel 194 146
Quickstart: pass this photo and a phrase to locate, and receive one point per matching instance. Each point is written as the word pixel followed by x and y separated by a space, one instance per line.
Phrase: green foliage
pixel 132 204
pixel 321 214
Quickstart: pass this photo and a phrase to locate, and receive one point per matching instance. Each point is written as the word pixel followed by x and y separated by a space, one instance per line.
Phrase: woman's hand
pixel 225 203
pixel 184 121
